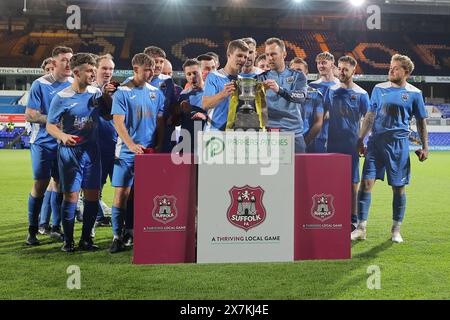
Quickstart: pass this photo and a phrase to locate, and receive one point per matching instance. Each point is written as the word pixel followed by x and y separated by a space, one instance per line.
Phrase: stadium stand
pixel 373 50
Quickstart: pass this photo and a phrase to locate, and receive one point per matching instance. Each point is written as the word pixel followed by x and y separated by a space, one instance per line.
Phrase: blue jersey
pixel 346 108
pixel 323 86
pixel 107 135
pixel 42 92
pixel 394 108
pixel 284 107
pixel 167 87
pixel 141 107
pixel 215 82
pixel 312 106
pixel 77 113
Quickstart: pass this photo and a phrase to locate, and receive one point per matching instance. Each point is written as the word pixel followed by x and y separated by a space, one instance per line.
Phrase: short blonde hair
pixel 405 62
pixel 325 56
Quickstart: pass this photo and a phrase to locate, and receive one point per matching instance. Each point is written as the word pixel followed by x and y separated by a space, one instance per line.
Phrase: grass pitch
pixel 417 269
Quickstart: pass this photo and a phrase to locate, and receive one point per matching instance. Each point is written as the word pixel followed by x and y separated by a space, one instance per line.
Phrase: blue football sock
pixel 46 210
pixel 398 206
pixel 34 208
pixel 89 215
pixel 118 216
pixel 56 201
pixel 354 218
pixel 364 199
pixel 68 219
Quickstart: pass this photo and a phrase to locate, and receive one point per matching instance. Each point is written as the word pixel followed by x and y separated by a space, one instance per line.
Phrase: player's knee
pixel 366 185
pixel 399 190
pixel 71 197
pixel 39 187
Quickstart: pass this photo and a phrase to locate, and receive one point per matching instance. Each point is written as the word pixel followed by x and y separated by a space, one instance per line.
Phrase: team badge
pixel 152 95
pixel 322 208
pixel 405 97
pixel 246 210
pixel 290 79
pixel 353 97
pixel 164 209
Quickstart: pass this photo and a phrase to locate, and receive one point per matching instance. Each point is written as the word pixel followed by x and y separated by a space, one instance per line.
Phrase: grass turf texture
pixel 416 269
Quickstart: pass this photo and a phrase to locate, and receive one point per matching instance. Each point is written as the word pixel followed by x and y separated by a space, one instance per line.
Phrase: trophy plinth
pixel 247 117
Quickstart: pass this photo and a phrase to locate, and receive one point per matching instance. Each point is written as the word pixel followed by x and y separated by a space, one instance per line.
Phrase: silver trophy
pixel 246 116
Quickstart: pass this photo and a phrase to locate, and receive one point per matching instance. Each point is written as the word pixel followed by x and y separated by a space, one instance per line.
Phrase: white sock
pixel 116 237
pixel 396 225
pixel 362 224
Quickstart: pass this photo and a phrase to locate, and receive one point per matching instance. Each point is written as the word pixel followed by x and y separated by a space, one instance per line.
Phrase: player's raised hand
pixel 422 154
pixel 361 148
pixel 136 148
pixel 69 140
pixel 272 85
pixel 228 89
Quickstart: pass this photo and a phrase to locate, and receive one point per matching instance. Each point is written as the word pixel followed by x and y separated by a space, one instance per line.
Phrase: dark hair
pixel 142 59
pixel 348 59
pixel 81 58
pixel 191 62
pixel 277 41
pixel 214 55
pixel 237 44
pixel 205 57
pixel 153 51
pixel 57 50
pixel 46 62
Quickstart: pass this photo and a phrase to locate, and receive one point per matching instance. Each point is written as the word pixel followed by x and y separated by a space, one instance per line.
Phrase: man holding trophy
pixel 286 91
pixel 220 85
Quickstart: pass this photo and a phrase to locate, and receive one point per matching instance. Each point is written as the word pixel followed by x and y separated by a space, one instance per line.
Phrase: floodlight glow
pixel 357 3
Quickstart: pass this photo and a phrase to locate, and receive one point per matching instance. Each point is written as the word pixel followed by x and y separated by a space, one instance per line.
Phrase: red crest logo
pixel 322 208
pixel 164 209
pixel 246 210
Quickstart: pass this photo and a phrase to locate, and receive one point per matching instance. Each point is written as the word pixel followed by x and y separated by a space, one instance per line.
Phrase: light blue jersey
pixel 42 92
pixel 394 108
pixel 321 139
pixel 215 82
pixel 78 113
pixel 284 107
pixel 141 107
pixel 388 146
